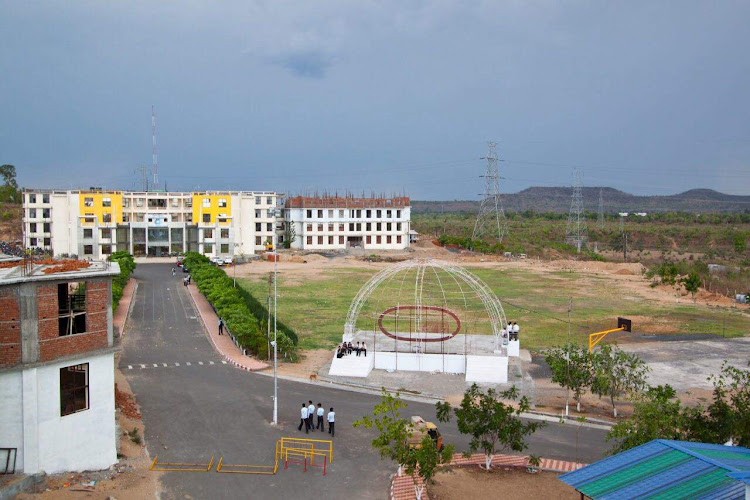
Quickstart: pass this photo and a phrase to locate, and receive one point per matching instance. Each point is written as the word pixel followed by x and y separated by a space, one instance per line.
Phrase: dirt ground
pixel 469 483
pixel 128 479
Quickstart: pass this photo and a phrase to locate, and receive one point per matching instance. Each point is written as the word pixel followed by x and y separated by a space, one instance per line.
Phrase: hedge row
pixel 127 266
pixel 243 314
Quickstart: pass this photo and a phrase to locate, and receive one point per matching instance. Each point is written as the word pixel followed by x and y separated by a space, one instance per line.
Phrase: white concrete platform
pixel 352 365
pixel 487 369
pixel 514 348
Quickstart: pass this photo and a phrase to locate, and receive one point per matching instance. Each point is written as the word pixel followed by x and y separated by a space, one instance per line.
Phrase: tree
pixel 617 372
pixel 9 189
pixel 657 414
pixel 692 283
pixel 571 368
pixel 493 425
pixel 392 441
pixel 290 234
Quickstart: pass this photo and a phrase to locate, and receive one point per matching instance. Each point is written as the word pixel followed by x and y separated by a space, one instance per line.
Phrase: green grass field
pixel 317 308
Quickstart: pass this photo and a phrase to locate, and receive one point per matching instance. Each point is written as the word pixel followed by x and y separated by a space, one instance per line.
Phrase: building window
pixel 106 218
pixel 88 202
pixel 359 226
pixel 74 389
pixel 32 227
pixel 206 217
pixel 309 240
pixel 32 213
pixel 308 227
pixel 387 214
pixel 206 202
pixel 269 200
pixel 378 226
pixel 224 248
pixel 368 226
pixel 208 248
pixel 341 213
pixel 320 228
pixel 368 239
pixel 222 220
pixel 257 200
pixel 330 240
pixel 379 214
pixel 320 240
pixel 308 213
pixel 45 213
pixel 258 240
pixel 398 214
pixel 106 249
pixel 222 203
pixel 45 198
pixel 341 240
pixel 88 233
pixel 398 226
pixel 388 226
pixel 46 227
pixel 330 214
pixel 351 226
pixel 398 239
pixel 88 249
pixel 257 213
pixel 320 214
pixel 388 239
pixel 225 233
pixel 330 228
pixel 32 242
pixel 106 202
pixel 368 214
pixel 47 242
pixel 341 226
pixel 359 214
pixel 71 306
pixel 88 219
pixel 32 198
pixel 106 234
pixel 208 233
pixel 378 239
pixel 269 226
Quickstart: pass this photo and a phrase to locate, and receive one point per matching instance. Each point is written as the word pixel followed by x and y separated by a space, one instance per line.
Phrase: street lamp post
pixel 275 344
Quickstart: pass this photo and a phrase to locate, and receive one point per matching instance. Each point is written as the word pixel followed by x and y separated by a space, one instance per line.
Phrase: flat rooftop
pixel 14 269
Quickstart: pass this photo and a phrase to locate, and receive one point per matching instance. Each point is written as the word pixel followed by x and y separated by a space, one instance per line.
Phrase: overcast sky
pixel 383 96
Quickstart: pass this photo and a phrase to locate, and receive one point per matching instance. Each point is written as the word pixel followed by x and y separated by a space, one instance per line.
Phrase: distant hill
pixel 558 199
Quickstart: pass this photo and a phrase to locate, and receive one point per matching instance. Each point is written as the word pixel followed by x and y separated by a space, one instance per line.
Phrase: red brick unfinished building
pixel 57 367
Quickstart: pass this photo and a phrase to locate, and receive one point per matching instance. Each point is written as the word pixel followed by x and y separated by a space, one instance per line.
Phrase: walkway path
pixel 222 343
pixel 402 487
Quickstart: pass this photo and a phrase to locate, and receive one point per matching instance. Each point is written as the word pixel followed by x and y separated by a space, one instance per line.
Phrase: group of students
pixel 309 411
pixel 347 348
pixel 186 280
pixel 512 331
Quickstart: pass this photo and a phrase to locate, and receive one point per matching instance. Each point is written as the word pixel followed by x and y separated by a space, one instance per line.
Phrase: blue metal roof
pixel 666 469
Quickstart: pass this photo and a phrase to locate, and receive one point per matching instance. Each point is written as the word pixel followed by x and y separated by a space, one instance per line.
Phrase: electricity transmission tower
pixel 601 210
pixel 576 233
pixel 491 221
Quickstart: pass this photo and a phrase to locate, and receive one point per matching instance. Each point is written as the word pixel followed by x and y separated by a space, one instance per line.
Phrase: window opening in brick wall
pixel 309 240
pixel 224 248
pixel 320 228
pixel 308 214
pixel 32 227
pixel 88 249
pixel 320 214
pixel 74 389
pixel 45 198
pixel 88 233
pixel 330 240
pixel 341 240
pixel 106 249
pixel 46 227
pixel 32 198
pixel 308 227
pixel 320 240
pixel 222 203
pixel 88 202
pixel 106 218
pixel 71 305
pixel 106 202
pixel 225 233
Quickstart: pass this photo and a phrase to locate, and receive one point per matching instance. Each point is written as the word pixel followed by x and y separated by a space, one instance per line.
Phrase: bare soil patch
pixel 469 483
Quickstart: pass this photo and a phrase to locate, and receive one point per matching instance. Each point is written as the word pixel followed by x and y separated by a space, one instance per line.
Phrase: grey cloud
pixel 306 64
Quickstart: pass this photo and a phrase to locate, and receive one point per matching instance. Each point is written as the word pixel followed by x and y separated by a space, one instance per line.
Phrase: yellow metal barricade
pixel 181 466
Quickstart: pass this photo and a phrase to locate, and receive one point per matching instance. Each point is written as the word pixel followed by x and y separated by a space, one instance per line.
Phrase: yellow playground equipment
pixel 623 325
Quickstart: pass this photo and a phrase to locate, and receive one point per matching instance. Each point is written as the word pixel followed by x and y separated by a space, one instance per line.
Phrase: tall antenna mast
pixel 576 233
pixel 154 165
pixel 491 221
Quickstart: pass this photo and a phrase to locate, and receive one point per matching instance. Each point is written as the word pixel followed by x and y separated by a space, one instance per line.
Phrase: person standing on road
pixel 221 326
pixel 173 272
pixel 331 422
pixel 311 415
pixel 303 419
pixel 320 411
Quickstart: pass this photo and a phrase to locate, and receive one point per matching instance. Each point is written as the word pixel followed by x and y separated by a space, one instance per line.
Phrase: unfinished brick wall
pixel 51 344
pixel 10 327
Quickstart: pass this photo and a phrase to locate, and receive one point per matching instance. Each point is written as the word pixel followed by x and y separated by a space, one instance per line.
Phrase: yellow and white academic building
pixel 94 223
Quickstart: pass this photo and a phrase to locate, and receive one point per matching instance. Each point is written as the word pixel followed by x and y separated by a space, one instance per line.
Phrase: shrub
pixel 127 266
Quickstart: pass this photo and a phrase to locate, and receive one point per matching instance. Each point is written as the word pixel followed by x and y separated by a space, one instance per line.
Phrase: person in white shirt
pixel 310 415
pixel 303 419
pixel 320 412
pixel 331 422
pixel 516 330
pixel 364 349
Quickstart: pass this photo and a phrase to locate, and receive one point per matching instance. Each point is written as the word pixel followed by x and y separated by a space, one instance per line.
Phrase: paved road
pixel 195 406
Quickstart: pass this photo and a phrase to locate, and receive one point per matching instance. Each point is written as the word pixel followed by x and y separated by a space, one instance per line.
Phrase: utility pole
pixel 567 366
pixel 275 337
pixel 154 163
pixel 576 233
pixel 491 221
pixel 601 210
